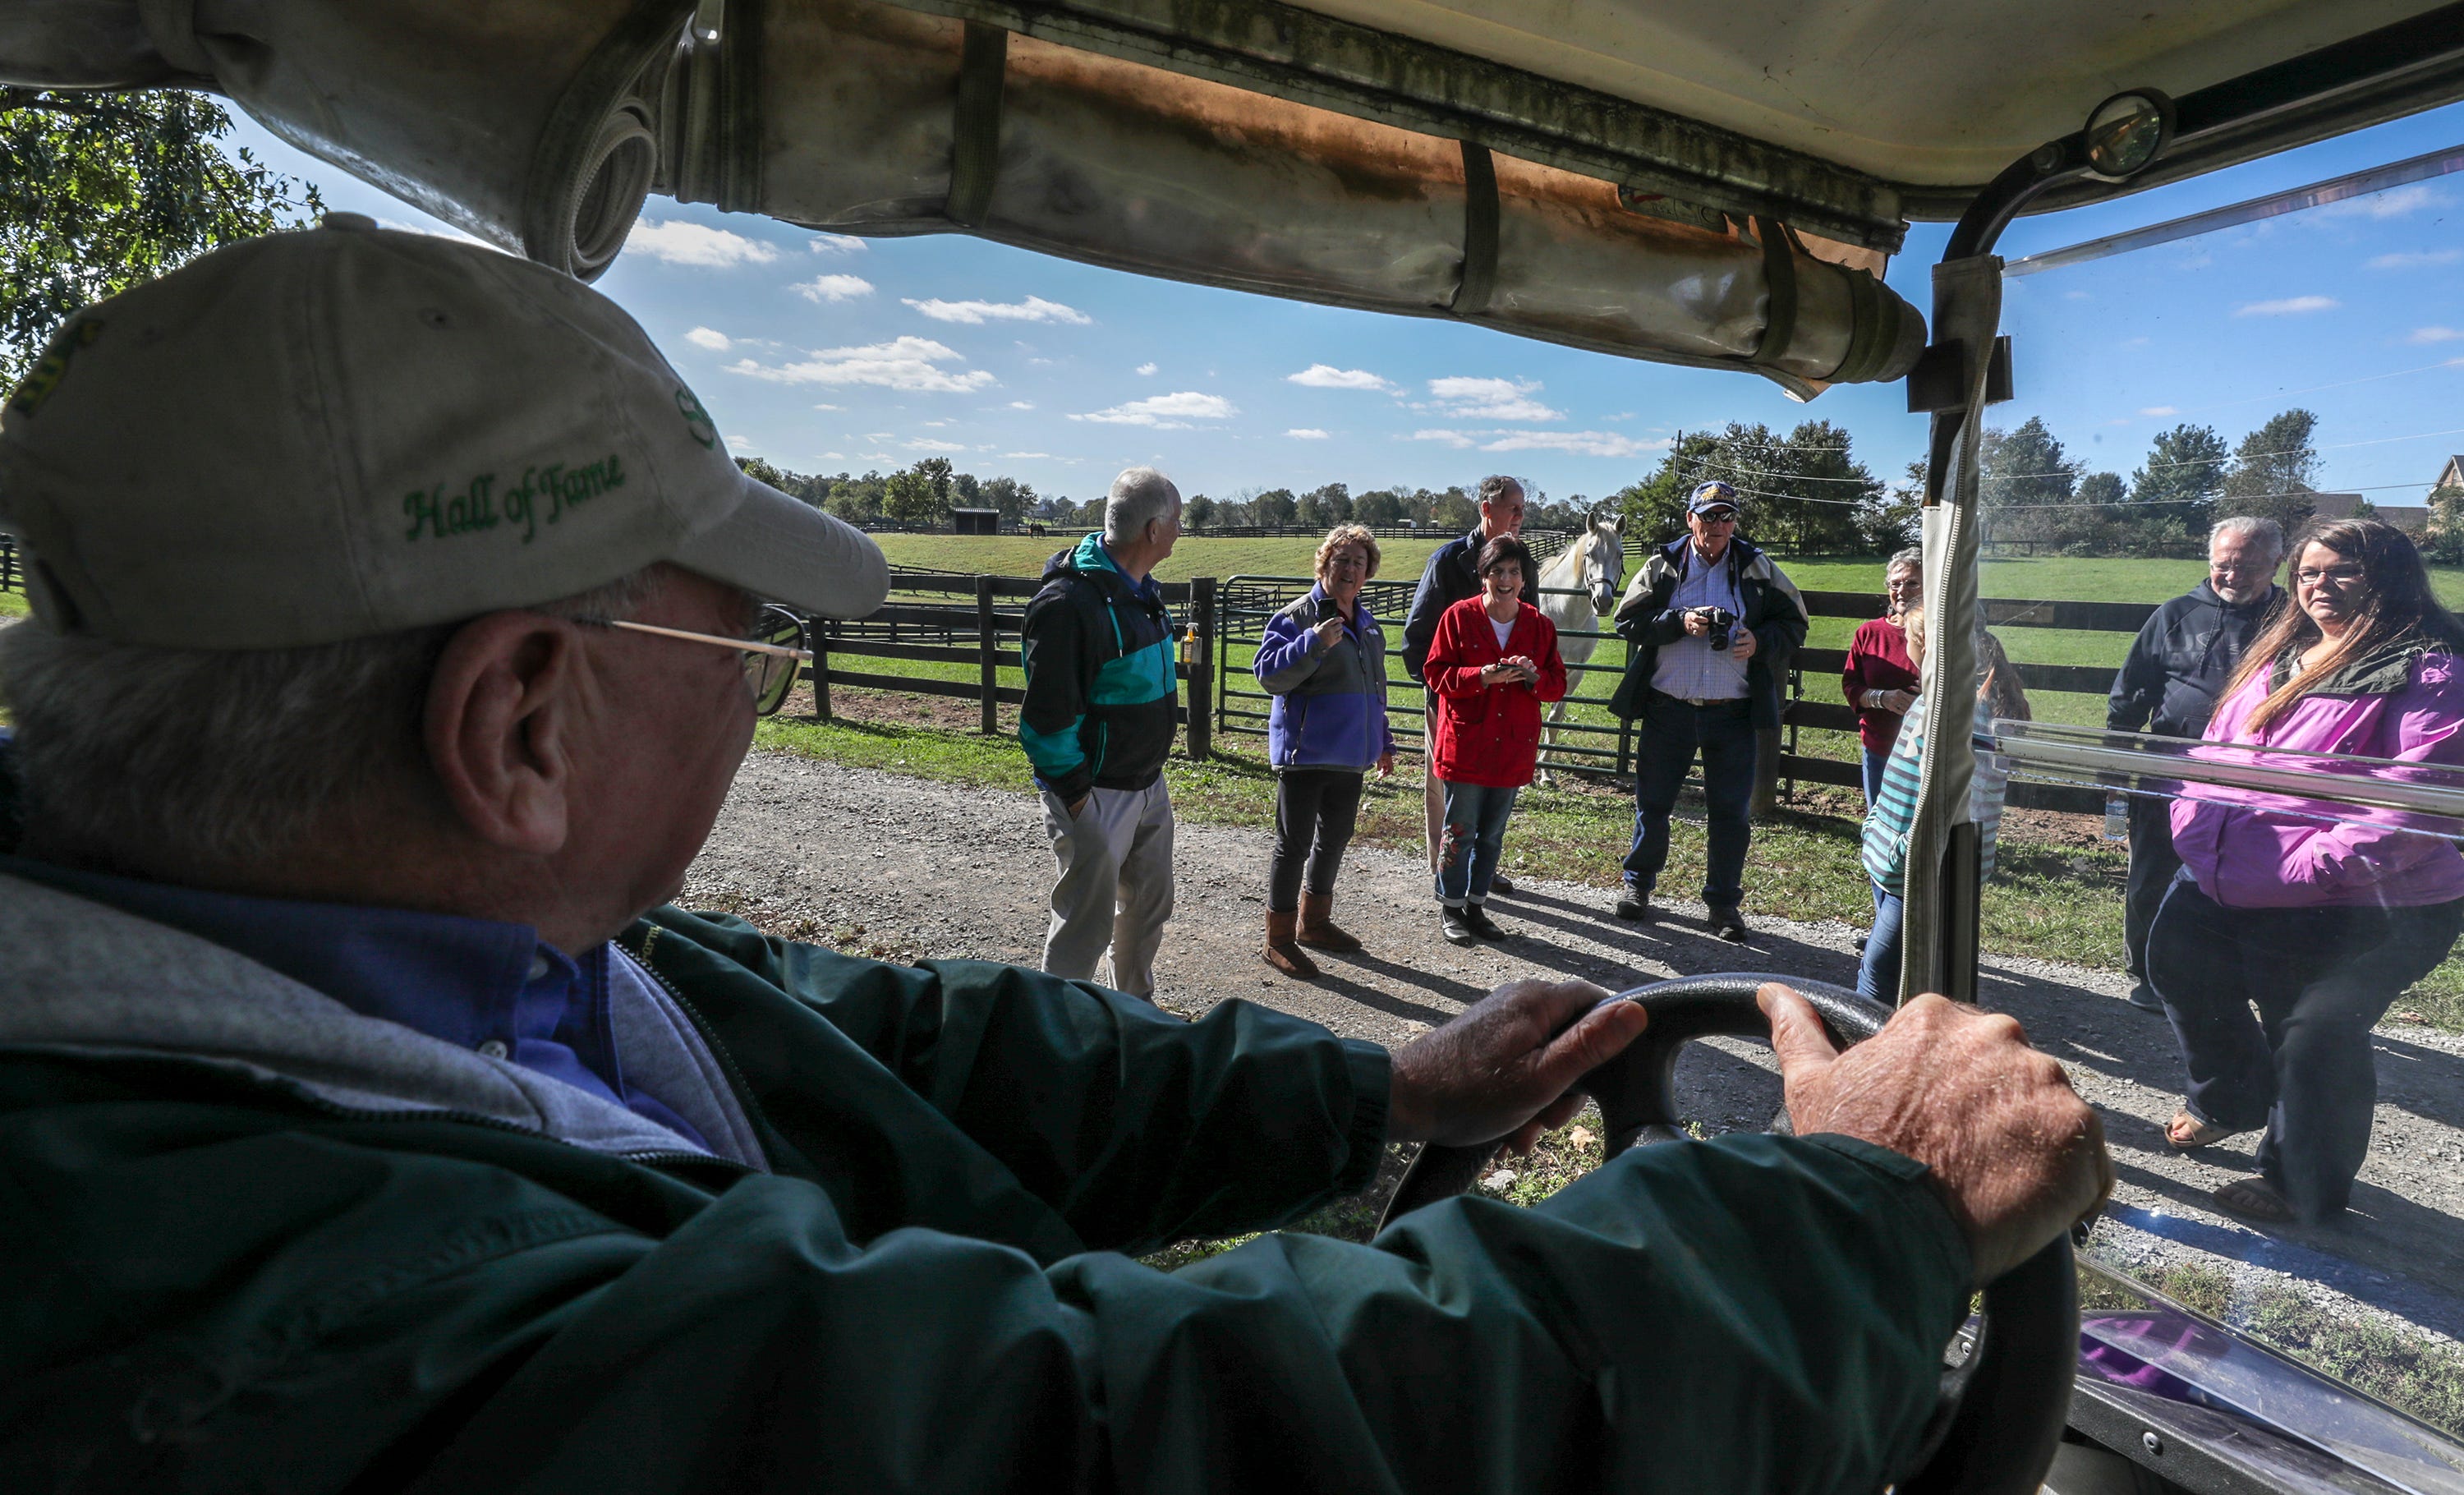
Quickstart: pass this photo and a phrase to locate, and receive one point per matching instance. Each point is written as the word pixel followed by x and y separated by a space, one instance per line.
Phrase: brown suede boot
pixel 1282 954
pixel 1318 929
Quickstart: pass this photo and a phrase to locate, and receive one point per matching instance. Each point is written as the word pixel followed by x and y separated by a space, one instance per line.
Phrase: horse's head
pixel 1604 564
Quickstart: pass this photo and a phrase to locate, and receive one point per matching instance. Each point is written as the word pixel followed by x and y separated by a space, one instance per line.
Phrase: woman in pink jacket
pixel 2318 915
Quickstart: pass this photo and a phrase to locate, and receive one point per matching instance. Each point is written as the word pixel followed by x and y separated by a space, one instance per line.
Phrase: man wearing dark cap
pixel 368 1119
pixel 1709 623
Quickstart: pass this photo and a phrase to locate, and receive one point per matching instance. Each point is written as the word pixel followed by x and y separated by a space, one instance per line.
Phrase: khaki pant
pixel 1114 886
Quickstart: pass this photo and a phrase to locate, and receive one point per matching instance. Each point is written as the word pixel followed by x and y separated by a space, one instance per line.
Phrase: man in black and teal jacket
pixel 1097 724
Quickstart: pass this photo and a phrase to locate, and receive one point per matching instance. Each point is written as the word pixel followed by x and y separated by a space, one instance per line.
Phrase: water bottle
pixel 2117 818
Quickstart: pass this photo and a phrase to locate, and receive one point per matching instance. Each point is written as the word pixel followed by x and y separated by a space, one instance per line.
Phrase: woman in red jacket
pixel 1492 666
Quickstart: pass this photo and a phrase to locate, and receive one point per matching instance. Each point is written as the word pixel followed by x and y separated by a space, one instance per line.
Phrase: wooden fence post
pixel 986 660
pixel 1201 666
pixel 821 669
pixel 1766 771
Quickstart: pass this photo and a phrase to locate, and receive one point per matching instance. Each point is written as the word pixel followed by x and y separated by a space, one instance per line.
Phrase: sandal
pixel 2186 1133
pixel 2255 1200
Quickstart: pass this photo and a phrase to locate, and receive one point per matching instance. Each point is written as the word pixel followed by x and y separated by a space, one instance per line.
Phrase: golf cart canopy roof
pixel 1700 182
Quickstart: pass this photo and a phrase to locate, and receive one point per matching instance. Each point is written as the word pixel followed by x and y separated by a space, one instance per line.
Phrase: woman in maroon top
pixel 1879 680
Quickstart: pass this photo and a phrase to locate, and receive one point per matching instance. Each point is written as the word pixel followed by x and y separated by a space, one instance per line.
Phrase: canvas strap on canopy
pixel 1479 232
pixel 974 132
pixel 1937 942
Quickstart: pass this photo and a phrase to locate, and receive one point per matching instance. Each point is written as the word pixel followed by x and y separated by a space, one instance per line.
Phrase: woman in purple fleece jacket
pixel 1324 660
pixel 2317 914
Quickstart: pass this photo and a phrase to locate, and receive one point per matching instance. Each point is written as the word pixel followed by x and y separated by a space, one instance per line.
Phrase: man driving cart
pixel 370 1120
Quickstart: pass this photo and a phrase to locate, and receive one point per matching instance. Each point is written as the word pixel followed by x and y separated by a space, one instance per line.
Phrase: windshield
pixel 2226 897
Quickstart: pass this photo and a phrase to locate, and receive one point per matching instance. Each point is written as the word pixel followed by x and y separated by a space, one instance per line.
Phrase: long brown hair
pixel 2397 609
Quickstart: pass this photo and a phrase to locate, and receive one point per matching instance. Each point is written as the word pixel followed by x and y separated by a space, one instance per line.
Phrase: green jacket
pixel 240 1262
pixel 1100 709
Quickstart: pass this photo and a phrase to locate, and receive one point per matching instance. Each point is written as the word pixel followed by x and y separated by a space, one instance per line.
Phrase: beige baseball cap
pixel 347 431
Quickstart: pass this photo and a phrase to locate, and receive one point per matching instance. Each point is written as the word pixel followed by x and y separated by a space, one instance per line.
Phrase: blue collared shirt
pixel 496 989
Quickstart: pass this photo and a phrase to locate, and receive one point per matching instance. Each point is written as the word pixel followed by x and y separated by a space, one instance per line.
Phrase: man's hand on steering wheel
pixel 1505 1067
pixel 2016 1154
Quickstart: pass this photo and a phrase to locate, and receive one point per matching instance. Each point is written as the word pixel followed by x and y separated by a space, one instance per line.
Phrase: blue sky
pixel 821 354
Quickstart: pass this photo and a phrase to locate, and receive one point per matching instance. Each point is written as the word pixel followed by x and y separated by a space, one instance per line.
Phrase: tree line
pixel 2034 491
pixel 925 493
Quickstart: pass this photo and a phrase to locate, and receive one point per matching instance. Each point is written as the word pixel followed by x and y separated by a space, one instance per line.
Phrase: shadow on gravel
pixel 1330 979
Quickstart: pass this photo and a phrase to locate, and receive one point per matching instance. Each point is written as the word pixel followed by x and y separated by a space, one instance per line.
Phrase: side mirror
pixel 2127 132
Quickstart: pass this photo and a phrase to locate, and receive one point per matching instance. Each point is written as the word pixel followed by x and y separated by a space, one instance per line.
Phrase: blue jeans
pixel 1874 762
pixel 2302 1068
pixel 1877 974
pixel 1672 734
pixel 1469 843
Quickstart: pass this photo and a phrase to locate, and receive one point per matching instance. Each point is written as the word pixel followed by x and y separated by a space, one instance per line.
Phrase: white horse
pixel 1593 567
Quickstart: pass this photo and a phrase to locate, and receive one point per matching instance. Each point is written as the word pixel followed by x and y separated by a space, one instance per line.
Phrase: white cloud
pixel 681 243
pixel 1574 443
pixel 928 444
pixel 1326 376
pixel 740 443
pixel 1146 368
pixel 1034 308
pixel 2434 335
pixel 2077 296
pixel 1165 412
pixel 833 288
pixel 2289 306
pixel 1021 456
pixel 2415 261
pixel 2159 409
pixel 1491 399
pixel 1022 405
pixel 705 338
pixel 1305 433
pixel 836 244
pixel 907 363
pixel 825 408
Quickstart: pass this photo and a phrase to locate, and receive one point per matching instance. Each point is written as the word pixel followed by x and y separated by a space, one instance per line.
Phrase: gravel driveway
pixel 926 869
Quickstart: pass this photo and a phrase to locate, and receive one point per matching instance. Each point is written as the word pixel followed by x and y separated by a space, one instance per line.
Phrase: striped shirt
pixel 1689 668
pixel 1895 809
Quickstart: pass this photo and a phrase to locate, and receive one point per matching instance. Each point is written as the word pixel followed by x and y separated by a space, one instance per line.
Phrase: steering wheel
pixel 2001 1413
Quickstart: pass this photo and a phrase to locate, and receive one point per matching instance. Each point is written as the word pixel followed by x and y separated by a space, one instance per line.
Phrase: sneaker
pixel 1476 916
pixel 1635 904
pixel 1728 924
pixel 2144 1000
pixel 1500 886
pixel 1452 923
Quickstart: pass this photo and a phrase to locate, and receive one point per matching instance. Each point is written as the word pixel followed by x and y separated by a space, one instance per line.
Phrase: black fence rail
pixel 949 618
pixel 920 624
pixel 12 571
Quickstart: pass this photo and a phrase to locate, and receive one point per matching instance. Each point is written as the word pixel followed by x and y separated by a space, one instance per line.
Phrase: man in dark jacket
pixel 1450 577
pixel 1097 724
pixel 369 1122
pixel 2168 685
pixel 1709 623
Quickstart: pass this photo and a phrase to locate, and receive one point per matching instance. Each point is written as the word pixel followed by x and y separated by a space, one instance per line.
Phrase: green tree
pixel 1274 506
pixel 102 192
pixel 1379 506
pixel 2447 523
pixel 2273 472
pixel 1013 498
pixel 1199 512
pixel 2184 470
pixel 919 495
pixel 1326 507
pixel 2100 490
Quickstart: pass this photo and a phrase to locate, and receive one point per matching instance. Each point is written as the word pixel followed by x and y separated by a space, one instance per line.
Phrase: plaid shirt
pixel 1691 668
